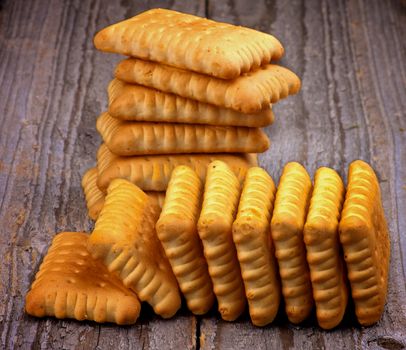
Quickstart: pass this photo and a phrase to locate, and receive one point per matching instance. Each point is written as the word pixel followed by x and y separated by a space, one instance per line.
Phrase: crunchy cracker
pixel 139 103
pixel 365 239
pixel 95 197
pixel 143 138
pixel 248 93
pixel 221 195
pixel 288 219
pixel 70 284
pixel 326 263
pixel 152 173
pixel 190 42
pixel 177 231
pixel 255 250
pixel 124 238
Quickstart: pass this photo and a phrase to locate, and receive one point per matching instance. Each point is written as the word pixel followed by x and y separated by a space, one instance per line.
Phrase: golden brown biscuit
pixel 124 238
pixel 190 42
pixel 365 239
pixel 248 93
pixel 95 197
pixel 323 248
pixel 177 231
pixel 142 138
pixel 152 173
pixel 221 195
pixel 288 219
pixel 255 250
pixel 139 103
pixel 70 284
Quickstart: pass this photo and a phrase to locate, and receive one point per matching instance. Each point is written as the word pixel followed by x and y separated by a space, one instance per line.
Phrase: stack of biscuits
pixel 192 91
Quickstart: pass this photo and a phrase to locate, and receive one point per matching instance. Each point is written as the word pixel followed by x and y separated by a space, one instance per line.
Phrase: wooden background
pixel 351 57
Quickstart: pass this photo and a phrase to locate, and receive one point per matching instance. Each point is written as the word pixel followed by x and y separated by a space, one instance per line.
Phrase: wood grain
pixel 351 57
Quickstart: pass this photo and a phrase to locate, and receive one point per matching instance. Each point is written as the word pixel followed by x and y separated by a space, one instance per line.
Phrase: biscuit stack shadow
pixel 192 91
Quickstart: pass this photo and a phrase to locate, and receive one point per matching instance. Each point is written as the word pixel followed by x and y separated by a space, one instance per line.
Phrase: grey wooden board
pixel 351 58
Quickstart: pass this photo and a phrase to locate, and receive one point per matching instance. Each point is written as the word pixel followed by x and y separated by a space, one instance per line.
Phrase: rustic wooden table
pixel 351 57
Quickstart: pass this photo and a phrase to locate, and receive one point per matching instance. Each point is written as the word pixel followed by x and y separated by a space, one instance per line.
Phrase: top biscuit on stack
pixel 190 86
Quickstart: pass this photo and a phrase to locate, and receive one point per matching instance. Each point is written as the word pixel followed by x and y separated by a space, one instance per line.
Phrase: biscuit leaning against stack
pixel 193 90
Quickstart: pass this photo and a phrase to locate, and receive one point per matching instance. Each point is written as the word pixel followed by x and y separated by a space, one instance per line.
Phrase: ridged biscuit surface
pixel 288 219
pixel 142 138
pixel 95 197
pixel 252 238
pixel 323 248
pixel 190 42
pixel 71 284
pixel 124 238
pixel 365 239
pixel 221 195
pixel 139 103
pixel 177 231
pixel 152 173
pixel 248 93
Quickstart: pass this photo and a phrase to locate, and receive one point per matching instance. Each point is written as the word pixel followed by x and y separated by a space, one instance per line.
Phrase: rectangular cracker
pixel 177 231
pixel 152 173
pixel 95 197
pixel 255 249
pixel 143 138
pixel 221 195
pixel 248 93
pixel 124 238
pixel 190 42
pixel 140 103
pixel 329 280
pixel 288 219
pixel 70 284
pixel 365 239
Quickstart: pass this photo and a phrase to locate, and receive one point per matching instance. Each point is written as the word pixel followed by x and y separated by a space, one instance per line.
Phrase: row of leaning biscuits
pixel 234 243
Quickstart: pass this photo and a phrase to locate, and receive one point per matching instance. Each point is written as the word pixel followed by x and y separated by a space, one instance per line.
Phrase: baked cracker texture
pixel 288 219
pixel 221 196
pixel 140 103
pixel 143 138
pixel 124 238
pixel 365 239
pixel 70 284
pixel 177 231
pixel 152 173
pixel 248 93
pixel 326 263
pixel 190 42
pixel 95 197
pixel 255 250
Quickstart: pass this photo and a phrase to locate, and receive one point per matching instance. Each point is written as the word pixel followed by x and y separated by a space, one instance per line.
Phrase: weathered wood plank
pixel 351 106
pixel 52 88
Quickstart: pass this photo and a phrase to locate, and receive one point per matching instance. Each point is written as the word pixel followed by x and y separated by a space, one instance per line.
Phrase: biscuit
pixel 152 173
pixel 255 250
pixel 143 138
pixel 365 239
pixel 139 103
pixel 190 42
pixel 288 219
pixel 70 284
pixel 221 195
pixel 177 231
pixel 320 234
pixel 248 93
pixel 124 238
pixel 95 197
